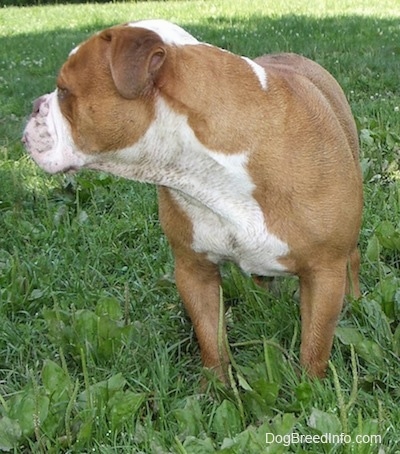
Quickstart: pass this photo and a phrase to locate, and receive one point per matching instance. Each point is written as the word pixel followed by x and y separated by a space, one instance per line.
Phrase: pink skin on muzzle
pixel 37 138
pixel 47 137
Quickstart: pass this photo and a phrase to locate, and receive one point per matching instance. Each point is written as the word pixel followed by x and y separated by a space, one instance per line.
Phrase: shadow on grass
pixel 48 2
pixel 361 52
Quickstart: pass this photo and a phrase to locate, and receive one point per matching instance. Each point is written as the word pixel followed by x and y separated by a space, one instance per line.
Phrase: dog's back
pixel 289 65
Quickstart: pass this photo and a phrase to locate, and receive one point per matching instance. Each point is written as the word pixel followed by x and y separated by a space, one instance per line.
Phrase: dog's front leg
pixel 321 295
pixel 198 282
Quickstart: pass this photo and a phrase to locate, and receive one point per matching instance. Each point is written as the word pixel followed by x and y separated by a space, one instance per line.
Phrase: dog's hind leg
pixel 353 268
pixel 321 296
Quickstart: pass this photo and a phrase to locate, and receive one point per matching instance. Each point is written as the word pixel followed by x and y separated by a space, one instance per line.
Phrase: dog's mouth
pixel 71 170
pixel 47 138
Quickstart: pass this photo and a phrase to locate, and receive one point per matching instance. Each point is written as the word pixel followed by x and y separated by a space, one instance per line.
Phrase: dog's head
pixel 104 100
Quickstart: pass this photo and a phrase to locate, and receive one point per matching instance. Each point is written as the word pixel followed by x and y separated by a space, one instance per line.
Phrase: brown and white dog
pixel 256 162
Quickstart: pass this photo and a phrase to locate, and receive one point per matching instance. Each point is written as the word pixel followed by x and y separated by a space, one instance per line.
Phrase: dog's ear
pixel 135 57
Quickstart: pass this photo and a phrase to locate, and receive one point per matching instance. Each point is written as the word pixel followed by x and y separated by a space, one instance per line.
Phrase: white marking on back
pixel 213 188
pixel 170 33
pixel 74 50
pixel 259 72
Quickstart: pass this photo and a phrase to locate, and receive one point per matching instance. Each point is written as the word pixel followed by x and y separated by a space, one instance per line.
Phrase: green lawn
pixel 96 351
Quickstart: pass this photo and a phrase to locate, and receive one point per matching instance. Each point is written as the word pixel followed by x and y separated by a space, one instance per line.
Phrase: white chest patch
pixel 241 234
pixel 214 189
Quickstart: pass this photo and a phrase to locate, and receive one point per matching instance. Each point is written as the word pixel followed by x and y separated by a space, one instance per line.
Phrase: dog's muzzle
pixel 47 137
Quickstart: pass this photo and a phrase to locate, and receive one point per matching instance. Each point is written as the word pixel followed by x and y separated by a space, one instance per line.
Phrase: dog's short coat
pixel 256 162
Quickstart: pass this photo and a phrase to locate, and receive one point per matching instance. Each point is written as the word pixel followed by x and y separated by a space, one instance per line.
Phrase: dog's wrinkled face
pixel 102 102
pixel 47 137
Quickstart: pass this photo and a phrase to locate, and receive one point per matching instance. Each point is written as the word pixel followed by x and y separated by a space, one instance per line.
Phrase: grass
pixel 97 354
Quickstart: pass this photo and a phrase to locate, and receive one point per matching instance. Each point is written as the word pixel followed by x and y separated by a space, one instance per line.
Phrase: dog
pixel 256 162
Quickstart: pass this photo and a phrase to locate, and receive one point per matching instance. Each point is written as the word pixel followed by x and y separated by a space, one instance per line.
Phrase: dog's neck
pixel 200 139
pixel 170 155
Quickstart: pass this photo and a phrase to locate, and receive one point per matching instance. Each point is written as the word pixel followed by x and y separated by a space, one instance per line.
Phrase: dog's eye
pixel 62 93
